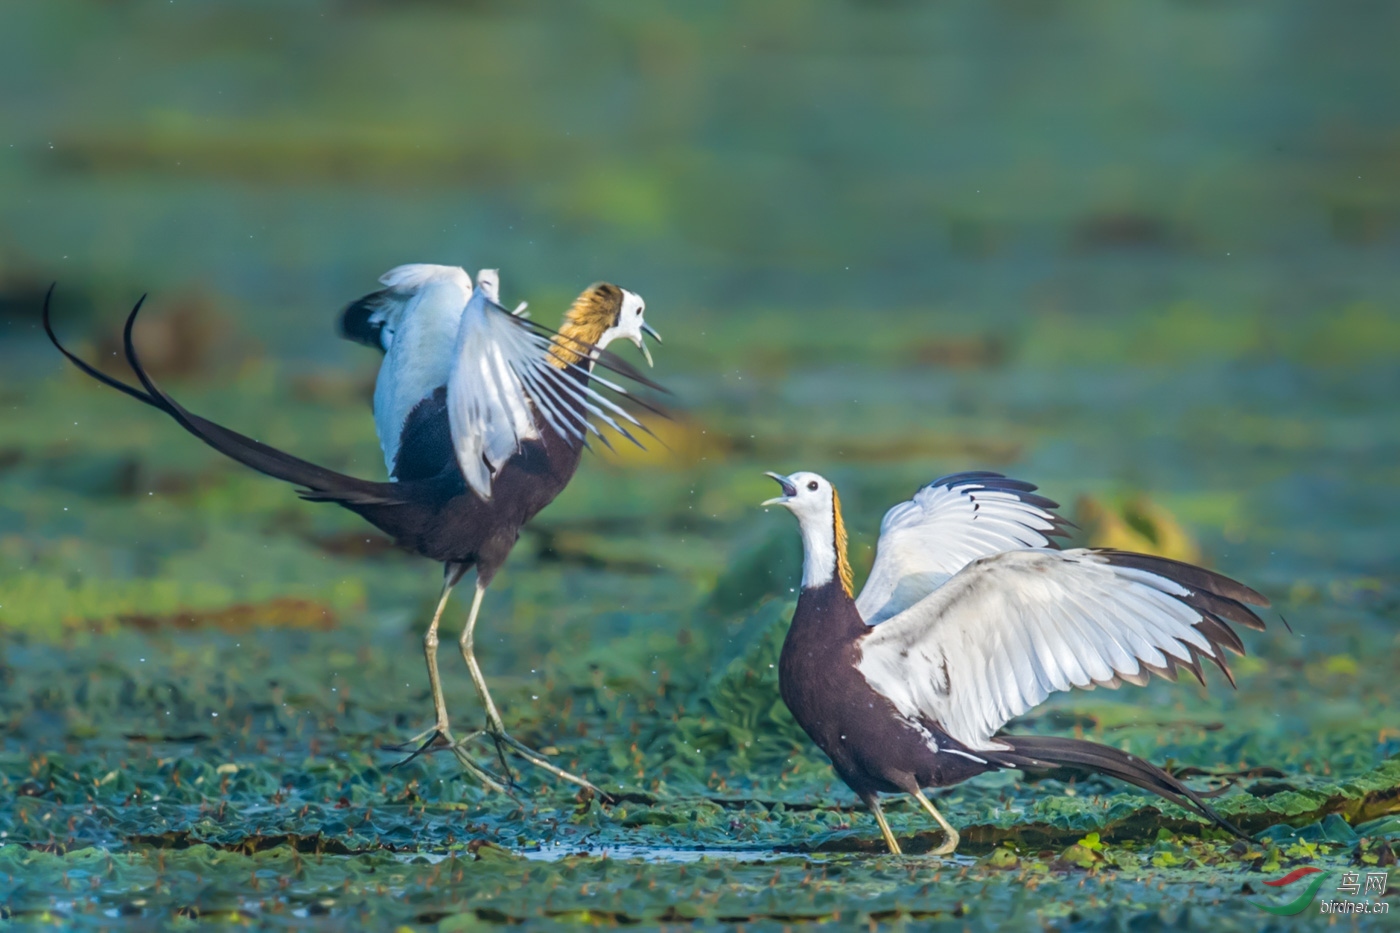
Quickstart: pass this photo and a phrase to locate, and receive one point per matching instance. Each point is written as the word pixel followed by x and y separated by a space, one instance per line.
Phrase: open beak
pixel 789 490
pixel 641 344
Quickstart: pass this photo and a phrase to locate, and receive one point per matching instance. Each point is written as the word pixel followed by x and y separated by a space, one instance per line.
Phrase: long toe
pixel 949 846
pixel 541 761
pixel 440 737
pixel 499 740
pixel 478 773
pixel 433 737
pixel 427 734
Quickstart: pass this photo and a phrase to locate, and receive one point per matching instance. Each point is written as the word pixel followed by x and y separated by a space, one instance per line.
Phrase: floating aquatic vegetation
pixel 1224 339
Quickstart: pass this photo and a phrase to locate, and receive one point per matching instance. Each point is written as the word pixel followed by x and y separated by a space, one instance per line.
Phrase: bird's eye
pixel 812 485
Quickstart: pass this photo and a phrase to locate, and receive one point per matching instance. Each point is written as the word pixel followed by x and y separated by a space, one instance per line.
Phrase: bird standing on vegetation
pixel 482 415
pixel 972 616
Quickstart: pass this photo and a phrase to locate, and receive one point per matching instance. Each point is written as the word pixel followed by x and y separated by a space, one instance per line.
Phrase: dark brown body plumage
pixel 872 747
pixel 444 518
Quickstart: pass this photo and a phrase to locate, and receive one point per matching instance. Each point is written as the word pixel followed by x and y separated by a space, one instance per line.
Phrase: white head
pixel 818 509
pixel 630 324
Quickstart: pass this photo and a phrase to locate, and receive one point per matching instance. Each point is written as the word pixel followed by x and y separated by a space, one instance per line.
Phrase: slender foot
pixel 486 778
pixel 495 728
pixel 873 802
pixel 499 743
pixel 951 842
pixel 427 737
pixel 441 727
pixel 441 738
pixel 541 761
pixel 432 735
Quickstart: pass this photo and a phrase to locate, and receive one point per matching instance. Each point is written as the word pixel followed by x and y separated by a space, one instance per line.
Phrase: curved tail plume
pixel 1048 751
pixel 316 482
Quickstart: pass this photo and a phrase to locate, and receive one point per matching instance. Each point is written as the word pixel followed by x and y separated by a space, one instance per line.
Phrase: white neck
pixel 818 552
pixel 607 337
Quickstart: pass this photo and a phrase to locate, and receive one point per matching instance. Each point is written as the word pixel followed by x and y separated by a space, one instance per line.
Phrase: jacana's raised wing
pixel 414 320
pixel 503 372
pixel 949 523
pixel 1005 631
pixel 377 318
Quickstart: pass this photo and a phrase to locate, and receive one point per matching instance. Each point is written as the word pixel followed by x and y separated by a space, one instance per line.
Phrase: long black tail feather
pixel 1047 751
pixel 318 483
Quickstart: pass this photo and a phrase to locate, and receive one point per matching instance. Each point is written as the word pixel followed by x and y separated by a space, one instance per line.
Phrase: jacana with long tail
pixel 972 616
pixel 482 415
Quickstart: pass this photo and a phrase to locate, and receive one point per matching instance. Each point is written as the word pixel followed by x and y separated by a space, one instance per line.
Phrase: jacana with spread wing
pixel 482 416
pixel 972 616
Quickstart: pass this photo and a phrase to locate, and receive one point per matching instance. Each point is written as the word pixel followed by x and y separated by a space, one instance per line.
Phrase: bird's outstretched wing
pixel 949 523
pixel 503 372
pixel 377 318
pixel 1007 630
pixel 414 320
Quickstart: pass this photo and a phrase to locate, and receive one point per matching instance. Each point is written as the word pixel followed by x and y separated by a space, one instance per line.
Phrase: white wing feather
pixel 1006 631
pixel 421 314
pixel 502 374
pixel 948 524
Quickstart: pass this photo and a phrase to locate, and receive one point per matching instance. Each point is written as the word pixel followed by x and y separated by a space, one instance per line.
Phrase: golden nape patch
pixel 592 312
pixel 843 563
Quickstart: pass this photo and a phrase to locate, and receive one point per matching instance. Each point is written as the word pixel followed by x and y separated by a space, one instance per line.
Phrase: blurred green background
pixel 1144 255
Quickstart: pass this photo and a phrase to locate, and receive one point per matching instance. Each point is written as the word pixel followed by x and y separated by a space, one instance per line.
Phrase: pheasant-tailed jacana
pixel 972 616
pixel 482 415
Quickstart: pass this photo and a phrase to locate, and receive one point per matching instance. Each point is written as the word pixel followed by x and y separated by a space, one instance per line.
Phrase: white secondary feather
pixel 1005 631
pixel 948 524
pixel 502 376
pixel 487 403
pixel 421 313
pixel 436 331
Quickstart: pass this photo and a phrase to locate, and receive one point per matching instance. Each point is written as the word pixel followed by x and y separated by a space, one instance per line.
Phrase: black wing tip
pixel 606 358
pixel 997 482
pixel 610 360
pixel 1061 527
pixel 356 321
pixel 1188 575
pixel 1219 600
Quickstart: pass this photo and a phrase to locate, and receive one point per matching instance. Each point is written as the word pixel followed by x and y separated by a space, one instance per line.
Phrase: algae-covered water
pixel 1144 256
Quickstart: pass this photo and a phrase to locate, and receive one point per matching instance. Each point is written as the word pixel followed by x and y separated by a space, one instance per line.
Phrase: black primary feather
pixel 1022 490
pixel 363 320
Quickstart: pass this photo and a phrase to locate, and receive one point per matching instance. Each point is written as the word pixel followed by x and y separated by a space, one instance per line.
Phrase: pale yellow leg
pixel 873 803
pixel 495 728
pixel 430 647
pixel 952 841
pixel 442 726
